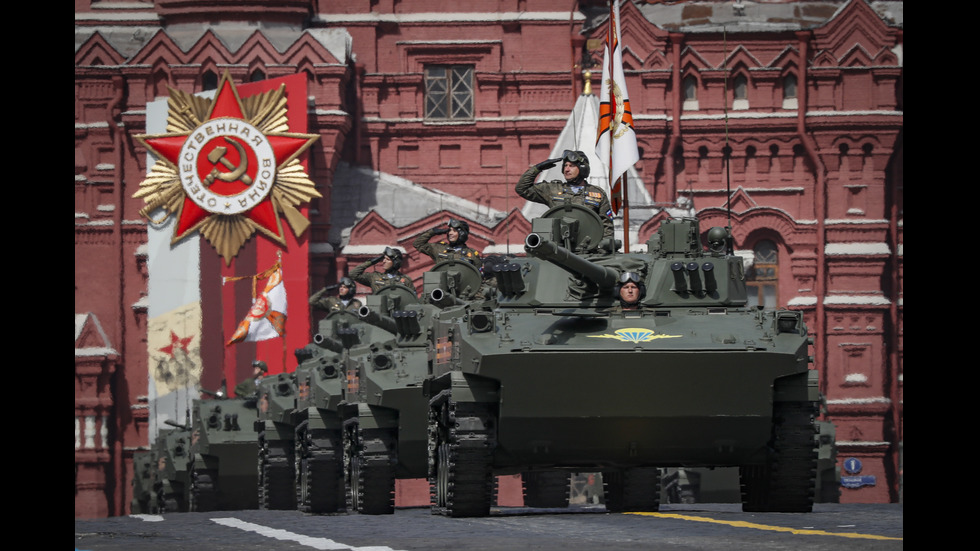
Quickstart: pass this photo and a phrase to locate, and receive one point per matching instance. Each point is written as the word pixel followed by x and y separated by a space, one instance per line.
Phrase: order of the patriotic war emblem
pixel 228 167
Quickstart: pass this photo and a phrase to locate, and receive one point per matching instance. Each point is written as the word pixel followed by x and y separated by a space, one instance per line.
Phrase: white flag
pixel 615 140
pixel 267 317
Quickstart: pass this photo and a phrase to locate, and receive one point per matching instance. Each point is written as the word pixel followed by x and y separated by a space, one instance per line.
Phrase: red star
pixel 175 343
pixel 227 105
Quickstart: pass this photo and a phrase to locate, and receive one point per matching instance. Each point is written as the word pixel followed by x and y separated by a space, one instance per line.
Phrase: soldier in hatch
pixel 250 387
pixel 574 190
pixel 390 261
pixel 344 300
pixel 630 291
pixel 453 248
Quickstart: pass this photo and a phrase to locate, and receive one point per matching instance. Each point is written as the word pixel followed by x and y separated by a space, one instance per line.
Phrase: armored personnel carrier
pixel 384 411
pixel 171 482
pixel 557 377
pixel 224 445
pixel 376 378
pixel 144 475
pixel 318 442
pixel 275 429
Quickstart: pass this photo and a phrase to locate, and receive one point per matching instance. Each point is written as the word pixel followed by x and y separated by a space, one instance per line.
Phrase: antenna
pixel 727 150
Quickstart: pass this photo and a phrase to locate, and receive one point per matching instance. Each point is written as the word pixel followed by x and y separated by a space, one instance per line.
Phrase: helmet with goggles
pixel 462 228
pixel 579 159
pixel 396 258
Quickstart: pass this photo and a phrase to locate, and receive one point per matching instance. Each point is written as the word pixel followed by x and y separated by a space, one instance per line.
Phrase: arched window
pixel 789 92
pixel 690 88
pixel 762 279
pixel 209 81
pixel 257 75
pixel 741 92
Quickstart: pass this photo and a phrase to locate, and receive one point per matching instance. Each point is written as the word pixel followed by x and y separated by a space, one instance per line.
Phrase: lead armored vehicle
pixel 556 377
pixel 222 455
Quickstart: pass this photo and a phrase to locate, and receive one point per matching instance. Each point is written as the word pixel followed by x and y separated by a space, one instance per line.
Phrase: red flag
pixel 615 140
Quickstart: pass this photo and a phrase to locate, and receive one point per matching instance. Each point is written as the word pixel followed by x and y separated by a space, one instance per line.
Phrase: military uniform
pixel 443 250
pixel 333 304
pixel 557 192
pixel 248 387
pixel 378 280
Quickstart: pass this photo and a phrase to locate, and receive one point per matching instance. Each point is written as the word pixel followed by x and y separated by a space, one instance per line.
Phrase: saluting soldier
pixel 346 289
pixel 390 261
pixel 453 248
pixel 574 190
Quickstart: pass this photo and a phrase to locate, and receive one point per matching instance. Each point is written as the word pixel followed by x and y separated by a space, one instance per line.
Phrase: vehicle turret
pixel 542 245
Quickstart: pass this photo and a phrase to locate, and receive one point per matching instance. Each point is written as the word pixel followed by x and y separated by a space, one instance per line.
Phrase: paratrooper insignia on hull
pixel 634 334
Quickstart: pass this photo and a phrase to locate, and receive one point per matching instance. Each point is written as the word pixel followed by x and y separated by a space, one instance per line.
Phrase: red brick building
pixel 790 114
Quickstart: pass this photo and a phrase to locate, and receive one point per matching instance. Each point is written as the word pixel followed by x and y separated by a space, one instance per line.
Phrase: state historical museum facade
pixel 784 117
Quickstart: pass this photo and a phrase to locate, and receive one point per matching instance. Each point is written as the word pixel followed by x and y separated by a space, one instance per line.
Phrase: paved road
pixel 699 527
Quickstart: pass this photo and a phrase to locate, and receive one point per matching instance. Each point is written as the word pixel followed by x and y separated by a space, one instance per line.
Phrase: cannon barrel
pixel 330 344
pixel 173 423
pixel 216 394
pixel 540 247
pixel 382 322
pixel 443 298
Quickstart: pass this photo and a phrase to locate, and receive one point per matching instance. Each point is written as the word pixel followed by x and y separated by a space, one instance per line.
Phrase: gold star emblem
pixel 228 167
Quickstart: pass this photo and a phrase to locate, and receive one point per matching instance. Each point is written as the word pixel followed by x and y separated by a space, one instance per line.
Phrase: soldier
pixel 630 291
pixel 344 300
pixel 391 261
pixel 454 249
pixel 250 387
pixel 574 190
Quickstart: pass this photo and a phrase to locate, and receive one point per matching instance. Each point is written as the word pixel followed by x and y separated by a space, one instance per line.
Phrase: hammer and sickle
pixel 217 155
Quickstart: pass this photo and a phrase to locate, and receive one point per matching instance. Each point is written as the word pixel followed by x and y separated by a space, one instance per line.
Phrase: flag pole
pixel 626 213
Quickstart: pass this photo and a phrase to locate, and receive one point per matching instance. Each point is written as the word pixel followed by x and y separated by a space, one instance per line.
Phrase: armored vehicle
pixel 275 429
pixel 144 475
pixel 318 442
pixel 223 451
pixel 558 377
pixel 374 368
pixel 171 482
pixel 384 411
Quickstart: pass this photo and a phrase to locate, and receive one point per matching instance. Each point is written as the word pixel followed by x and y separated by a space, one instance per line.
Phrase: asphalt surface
pixel 695 527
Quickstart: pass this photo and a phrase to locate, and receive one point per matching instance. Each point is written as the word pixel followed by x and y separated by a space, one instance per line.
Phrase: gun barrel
pixel 330 344
pixel 383 322
pixel 539 246
pixel 442 298
pixel 173 423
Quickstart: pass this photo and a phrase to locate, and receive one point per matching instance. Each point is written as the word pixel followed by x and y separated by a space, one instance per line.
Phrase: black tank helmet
pixel 396 258
pixel 579 159
pixel 351 287
pixel 634 277
pixel 463 228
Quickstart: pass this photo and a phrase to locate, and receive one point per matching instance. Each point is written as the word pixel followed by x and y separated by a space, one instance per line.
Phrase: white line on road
pixel 316 543
pixel 148 518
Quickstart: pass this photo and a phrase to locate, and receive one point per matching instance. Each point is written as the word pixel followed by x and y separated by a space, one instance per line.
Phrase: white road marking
pixel 148 518
pixel 315 543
